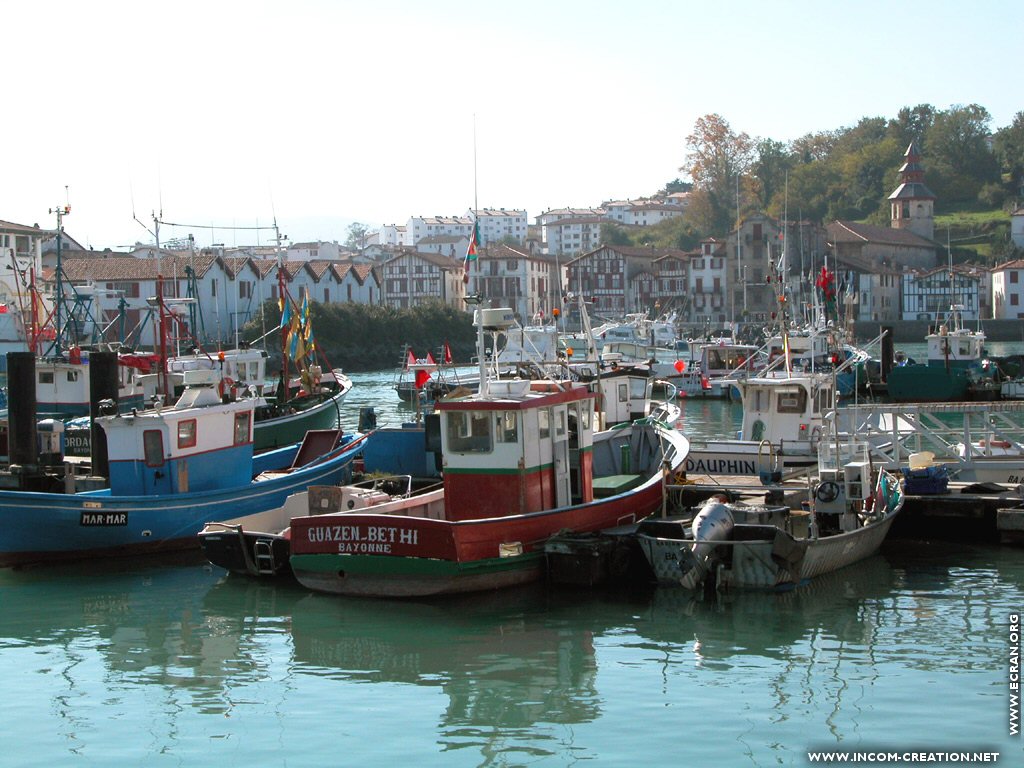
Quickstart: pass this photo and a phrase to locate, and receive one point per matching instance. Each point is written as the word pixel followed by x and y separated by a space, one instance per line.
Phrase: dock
pixel 986 513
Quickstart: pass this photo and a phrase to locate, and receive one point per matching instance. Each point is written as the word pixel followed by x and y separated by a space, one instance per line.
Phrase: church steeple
pixel 913 204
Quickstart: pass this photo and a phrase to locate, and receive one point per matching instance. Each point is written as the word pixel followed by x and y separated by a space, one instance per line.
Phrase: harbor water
pixel 147 663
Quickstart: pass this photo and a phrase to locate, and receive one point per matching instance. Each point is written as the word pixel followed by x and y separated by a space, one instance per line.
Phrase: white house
pixel 571 237
pixel 928 294
pixel 510 277
pixel 452 246
pixel 419 227
pixel 707 289
pixel 316 251
pixel 498 224
pixel 1008 290
pixel 1017 227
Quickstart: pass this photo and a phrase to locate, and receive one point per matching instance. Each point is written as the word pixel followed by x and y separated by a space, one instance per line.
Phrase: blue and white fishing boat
pixel 156 476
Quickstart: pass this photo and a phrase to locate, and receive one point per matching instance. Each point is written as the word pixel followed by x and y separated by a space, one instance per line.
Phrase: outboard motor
pixel 712 524
pixel 51 442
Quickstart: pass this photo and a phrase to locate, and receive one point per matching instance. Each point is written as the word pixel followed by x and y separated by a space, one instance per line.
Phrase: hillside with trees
pixel 848 173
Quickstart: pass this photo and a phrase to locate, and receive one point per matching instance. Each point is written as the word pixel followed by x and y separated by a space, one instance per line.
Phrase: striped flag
pixel 471 251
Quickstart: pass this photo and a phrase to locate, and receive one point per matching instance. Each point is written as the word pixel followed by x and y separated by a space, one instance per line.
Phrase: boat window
pixel 544 422
pixel 242 427
pixel 760 400
pixel 965 348
pixel 639 387
pixel 72 375
pixel 560 422
pixel 623 392
pixel 469 432
pixel 508 429
pixel 792 401
pixel 585 414
pixel 187 433
pixel 153 448
pixel 46 377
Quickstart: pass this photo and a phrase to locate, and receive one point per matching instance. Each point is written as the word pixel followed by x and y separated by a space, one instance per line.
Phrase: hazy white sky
pixel 325 113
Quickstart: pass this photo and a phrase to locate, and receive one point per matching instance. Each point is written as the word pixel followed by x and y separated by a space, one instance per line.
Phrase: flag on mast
pixel 471 251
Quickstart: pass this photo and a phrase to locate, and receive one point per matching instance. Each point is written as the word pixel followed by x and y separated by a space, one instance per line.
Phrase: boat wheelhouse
pixel 521 462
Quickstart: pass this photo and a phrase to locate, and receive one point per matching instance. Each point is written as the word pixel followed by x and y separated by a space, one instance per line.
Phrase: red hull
pixel 465 540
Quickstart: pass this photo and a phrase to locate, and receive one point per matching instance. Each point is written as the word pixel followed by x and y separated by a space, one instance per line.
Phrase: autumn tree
pixel 716 158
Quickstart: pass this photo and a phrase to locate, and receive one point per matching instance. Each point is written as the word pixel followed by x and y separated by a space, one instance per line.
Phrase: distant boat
pixel 954 371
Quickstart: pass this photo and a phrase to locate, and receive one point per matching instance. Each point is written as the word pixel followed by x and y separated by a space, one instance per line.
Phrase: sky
pixel 220 117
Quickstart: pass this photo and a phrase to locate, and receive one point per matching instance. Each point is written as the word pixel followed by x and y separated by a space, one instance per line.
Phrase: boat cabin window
pixel 242 427
pixel 544 423
pixel 469 432
pixel 46 377
pixel 965 348
pixel 187 433
pixel 153 448
pixel 560 423
pixel 760 400
pixel 639 387
pixel 72 375
pixel 623 392
pixel 508 427
pixel 792 401
pixel 823 400
pixel 715 359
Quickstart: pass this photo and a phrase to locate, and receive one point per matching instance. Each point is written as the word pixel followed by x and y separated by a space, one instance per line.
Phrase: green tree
pixel 614 234
pixel 911 124
pixel 769 171
pixel 957 157
pixel 676 185
pixel 1009 149
pixel 357 235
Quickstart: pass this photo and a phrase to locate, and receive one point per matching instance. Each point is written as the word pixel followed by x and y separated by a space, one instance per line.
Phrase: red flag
pixel 430 359
pixel 447 353
pixel 422 377
pixel 410 359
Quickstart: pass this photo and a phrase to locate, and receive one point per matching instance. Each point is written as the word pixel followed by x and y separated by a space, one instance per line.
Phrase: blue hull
pixel 45 527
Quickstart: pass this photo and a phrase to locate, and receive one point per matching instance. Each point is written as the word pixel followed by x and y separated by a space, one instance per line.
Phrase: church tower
pixel 913 204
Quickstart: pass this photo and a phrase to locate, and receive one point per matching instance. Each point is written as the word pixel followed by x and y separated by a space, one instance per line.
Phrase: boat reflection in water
pixel 506 662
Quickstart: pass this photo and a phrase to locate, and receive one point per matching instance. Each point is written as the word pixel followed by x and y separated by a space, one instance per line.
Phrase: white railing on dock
pixel 952 431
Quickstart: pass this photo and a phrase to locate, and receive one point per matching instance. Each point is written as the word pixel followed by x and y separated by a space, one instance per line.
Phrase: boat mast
pixel 61 211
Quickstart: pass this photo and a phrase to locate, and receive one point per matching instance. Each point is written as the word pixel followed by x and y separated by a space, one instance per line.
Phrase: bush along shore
pixel 371 337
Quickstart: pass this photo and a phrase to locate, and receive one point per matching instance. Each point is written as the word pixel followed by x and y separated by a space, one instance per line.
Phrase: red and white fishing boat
pixel 521 462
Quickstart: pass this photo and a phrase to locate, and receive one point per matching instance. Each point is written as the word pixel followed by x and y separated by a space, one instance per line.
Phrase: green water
pixel 179 664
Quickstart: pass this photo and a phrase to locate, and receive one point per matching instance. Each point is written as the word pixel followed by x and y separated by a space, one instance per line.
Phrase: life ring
pixel 226 385
pixel 827 492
